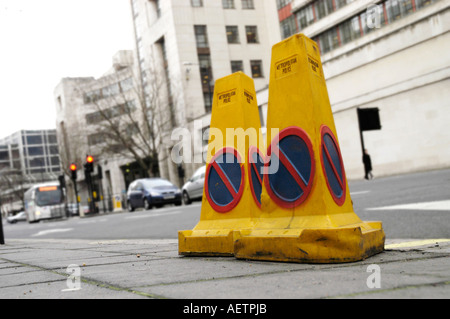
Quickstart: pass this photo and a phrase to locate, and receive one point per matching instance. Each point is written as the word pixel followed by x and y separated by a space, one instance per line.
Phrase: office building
pixel 100 117
pixel 33 152
pixel 391 55
pixel 27 157
pixel 183 46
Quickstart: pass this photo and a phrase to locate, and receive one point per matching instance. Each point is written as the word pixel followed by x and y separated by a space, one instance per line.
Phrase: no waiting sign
pixel 290 184
pixel 255 171
pixel 332 165
pixel 224 183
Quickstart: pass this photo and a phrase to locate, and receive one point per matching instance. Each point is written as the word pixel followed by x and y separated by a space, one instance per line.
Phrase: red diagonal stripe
pixel 224 178
pixel 257 173
pixel 333 167
pixel 291 169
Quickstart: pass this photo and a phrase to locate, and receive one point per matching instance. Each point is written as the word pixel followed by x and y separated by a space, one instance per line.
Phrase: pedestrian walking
pixel 367 165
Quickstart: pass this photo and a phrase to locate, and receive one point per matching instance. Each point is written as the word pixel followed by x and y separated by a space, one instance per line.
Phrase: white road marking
pixel 443 205
pixel 415 243
pixel 92 221
pixel 154 215
pixel 50 231
pixel 359 193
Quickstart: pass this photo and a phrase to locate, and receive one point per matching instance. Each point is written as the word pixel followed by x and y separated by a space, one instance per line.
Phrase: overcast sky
pixel 46 40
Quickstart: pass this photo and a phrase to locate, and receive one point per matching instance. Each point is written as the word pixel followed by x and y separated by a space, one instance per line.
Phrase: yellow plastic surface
pixel 235 120
pixel 318 230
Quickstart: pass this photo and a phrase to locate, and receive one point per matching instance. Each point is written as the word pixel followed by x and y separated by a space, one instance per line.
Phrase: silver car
pixel 193 189
pixel 17 218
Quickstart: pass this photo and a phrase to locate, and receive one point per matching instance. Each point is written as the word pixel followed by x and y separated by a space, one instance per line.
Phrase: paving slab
pixel 135 269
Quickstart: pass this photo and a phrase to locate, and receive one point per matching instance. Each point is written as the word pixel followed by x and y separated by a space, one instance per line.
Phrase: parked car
pixel 73 209
pixel 149 192
pixel 17 218
pixel 193 189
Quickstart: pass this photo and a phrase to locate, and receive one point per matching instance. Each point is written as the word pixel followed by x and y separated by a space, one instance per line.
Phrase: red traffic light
pixel 89 159
pixel 73 167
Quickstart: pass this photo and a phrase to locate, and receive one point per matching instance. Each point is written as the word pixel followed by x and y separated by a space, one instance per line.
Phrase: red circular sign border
pixel 291 130
pixel 326 130
pixel 235 201
pixel 252 150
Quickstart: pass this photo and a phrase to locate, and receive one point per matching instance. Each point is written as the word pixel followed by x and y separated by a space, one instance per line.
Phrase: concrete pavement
pixel 129 269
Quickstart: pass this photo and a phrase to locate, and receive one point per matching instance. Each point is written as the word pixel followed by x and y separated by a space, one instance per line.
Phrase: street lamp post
pixel 2 237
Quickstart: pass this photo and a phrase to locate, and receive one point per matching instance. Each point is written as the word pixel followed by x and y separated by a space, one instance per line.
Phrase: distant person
pixel 367 165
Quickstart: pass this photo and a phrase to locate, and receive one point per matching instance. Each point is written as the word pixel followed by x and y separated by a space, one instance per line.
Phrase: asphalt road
pixel 410 206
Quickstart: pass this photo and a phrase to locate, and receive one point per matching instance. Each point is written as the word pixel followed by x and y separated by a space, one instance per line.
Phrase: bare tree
pixel 12 185
pixel 132 120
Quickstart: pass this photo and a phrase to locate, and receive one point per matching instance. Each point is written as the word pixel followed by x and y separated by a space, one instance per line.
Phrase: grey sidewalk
pixel 152 269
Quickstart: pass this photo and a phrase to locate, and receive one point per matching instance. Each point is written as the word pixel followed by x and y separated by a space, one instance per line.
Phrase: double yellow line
pixel 416 243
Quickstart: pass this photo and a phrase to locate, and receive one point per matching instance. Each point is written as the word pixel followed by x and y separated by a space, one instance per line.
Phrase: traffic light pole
pixel 88 178
pixel 76 194
pixel 368 120
pixel 360 130
pixel 88 169
pixel 73 177
pixel 2 237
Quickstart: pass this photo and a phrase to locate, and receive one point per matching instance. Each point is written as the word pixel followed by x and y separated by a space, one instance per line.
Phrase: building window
pixel 52 139
pixel 341 3
pixel 4 155
pixel 261 115
pixel 158 8
pixel 207 99
pixel 37 162
pixel 54 161
pixel 96 138
pixel 92 97
pixel 328 40
pixel 248 4
pixel 228 4
pixel 197 3
pixel 94 118
pixel 200 36
pixel 423 3
pixel 207 80
pixel 110 90
pixel 237 66
pixel 288 27
pixel 396 9
pixel 232 34
pixel 365 29
pixel 349 30
pixel 53 149
pixel 282 3
pixel 305 17
pixel 34 151
pixel 323 8
pixel 252 33
pixel 205 135
pixel 256 66
pixel 34 139
pixel 389 12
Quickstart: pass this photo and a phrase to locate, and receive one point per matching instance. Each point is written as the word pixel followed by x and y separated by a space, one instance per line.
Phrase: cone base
pixel 206 243
pixel 334 245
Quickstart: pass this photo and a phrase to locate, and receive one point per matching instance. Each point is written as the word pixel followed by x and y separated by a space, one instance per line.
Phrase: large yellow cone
pixel 307 213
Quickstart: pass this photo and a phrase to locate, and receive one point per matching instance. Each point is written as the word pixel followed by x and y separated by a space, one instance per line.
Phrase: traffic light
pixel 73 170
pixel 89 165
pixel 62 181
